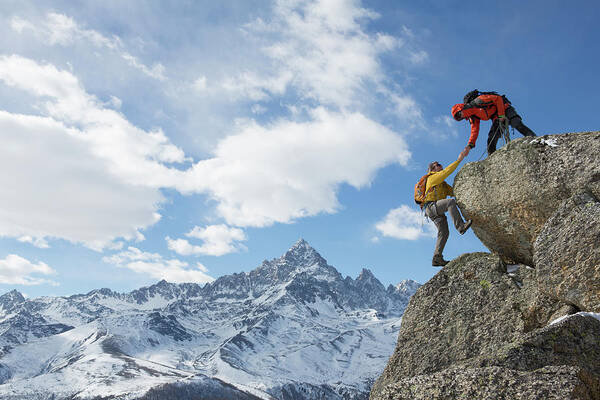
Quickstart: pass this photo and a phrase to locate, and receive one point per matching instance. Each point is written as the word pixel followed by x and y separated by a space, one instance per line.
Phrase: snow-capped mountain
pixel 293 328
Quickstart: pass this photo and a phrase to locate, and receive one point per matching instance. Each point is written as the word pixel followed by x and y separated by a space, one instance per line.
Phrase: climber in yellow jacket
pixel 436 204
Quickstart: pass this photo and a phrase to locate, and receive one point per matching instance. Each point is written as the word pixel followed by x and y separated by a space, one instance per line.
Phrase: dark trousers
pixel 514 120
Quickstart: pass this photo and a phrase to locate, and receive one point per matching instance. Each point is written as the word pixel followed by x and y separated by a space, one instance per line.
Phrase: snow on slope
pixel 291 328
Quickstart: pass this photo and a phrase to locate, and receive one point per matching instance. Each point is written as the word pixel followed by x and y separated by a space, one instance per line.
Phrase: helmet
pixel 455 109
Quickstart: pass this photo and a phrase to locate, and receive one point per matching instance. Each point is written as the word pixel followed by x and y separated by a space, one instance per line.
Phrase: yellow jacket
pixel 441 189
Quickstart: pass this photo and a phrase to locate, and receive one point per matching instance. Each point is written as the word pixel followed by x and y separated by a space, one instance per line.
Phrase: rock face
pixel 469 309
pixel 492 383
pixel 487 328
pixel 567 253
pixel 511 194
pixel 476 332
pixel 536 202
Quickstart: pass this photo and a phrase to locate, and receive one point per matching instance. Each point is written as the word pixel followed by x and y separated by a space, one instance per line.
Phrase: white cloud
pixel 320 49
pixel 59 29
pixel 115 102
pixel 258 109
pixel 320 53
pixel 419 57
pixel 200 84
pixel 37 242
pixel 106 130
pixel 217 240
pixel 20 24
pixel 259 175
pixel 183 247
pixel 406 224
pixel 156 266
pixel 157 71
pixel 290 170
pixel 86 174
pixel 16 270
pixel 445 119
pixel 75 173
pixel 406 109
pixel 445 127
pixel 254 87
pixel 214 234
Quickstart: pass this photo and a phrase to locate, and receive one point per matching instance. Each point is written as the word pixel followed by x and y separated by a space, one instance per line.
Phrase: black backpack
pixel 473 94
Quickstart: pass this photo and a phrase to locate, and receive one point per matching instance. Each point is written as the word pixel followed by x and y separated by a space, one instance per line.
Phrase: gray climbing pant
pixel 436 211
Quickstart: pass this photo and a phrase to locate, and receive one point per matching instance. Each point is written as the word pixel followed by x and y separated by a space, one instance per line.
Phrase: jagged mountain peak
pixel 369 282
pixel 162 289
pixel 365 274
pixel 103 291
pixel 161 286
pixel 11 299
pixel 13 295
pixel 407 286
pixel 303 254
pixel 299 258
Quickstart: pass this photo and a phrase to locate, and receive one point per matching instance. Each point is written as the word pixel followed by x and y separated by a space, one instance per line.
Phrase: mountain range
pixel 293 328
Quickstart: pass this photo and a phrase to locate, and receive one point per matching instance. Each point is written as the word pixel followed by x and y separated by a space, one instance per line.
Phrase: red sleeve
pixel 474 130
pixel 499 103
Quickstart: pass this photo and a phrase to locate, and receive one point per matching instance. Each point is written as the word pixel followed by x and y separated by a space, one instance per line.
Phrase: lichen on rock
pixel 567 253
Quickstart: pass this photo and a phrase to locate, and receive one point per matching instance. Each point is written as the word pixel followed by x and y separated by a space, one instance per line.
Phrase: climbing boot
pixel 438 261
pixel 465 227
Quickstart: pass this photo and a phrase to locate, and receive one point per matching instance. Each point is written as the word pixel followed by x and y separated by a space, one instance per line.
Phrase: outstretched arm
pixel 474 131
pixel 439 177
pixel 463 154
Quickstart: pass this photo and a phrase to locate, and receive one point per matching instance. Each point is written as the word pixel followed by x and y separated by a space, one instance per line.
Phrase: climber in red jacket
pixel 479 106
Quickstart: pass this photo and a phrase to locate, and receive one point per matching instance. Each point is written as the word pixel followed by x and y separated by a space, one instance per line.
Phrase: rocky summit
pixel 523 321
pixel 293 328
pixel 512 194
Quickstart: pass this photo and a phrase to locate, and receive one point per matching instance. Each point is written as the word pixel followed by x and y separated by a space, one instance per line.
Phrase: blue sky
pixel 143 140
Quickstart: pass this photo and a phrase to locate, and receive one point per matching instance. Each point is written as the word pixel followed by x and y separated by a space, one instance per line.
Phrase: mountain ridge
pixel 291 327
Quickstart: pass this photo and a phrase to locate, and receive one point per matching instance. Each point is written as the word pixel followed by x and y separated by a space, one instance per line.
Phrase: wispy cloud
pixel 16 270
pixel 317 48
pixel 217 240
pixel 404 223
pixel 419 57
pixel 154 265
pixel 62 30
pixel 37 242
pixel 444 127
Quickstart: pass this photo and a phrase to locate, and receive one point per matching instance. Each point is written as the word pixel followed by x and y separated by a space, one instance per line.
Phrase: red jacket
pixel 488 106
